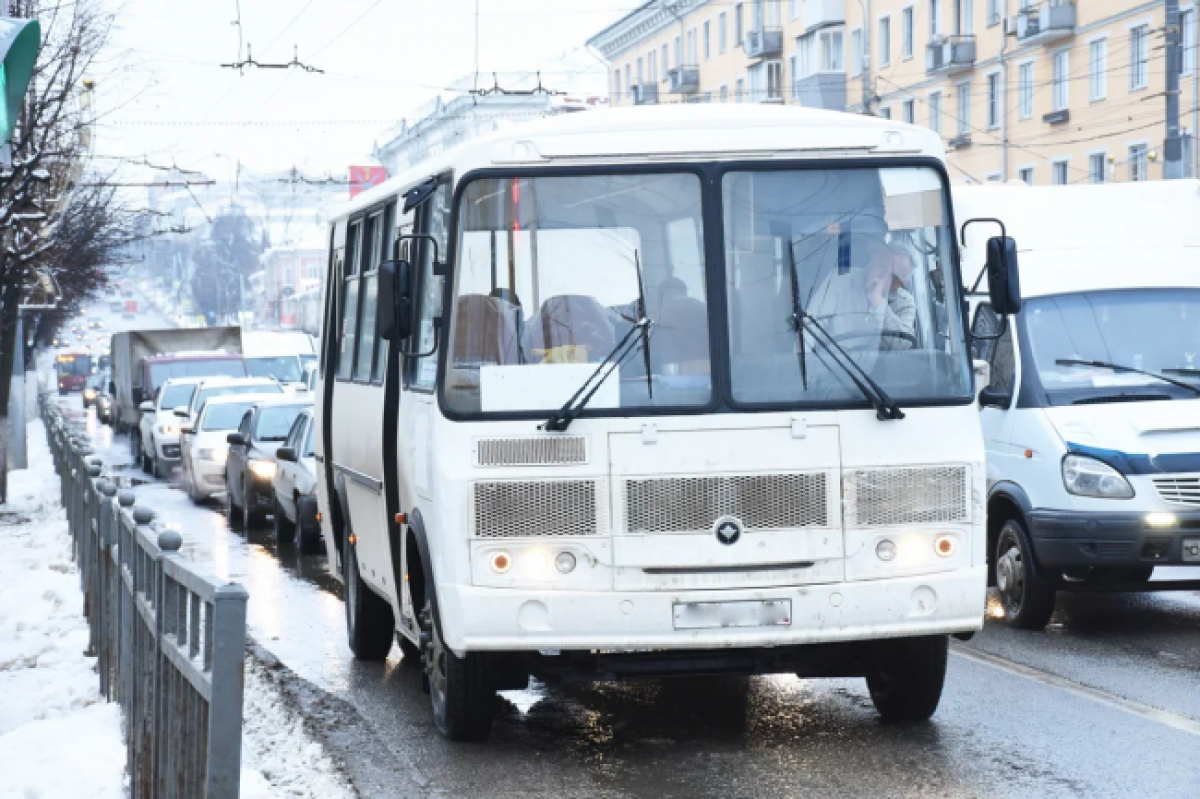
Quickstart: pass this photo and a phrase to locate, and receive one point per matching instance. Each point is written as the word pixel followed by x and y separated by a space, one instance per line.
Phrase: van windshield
pixel 1154 330
pixel 177 395
pixel 284 368
pixel 194 367
pixel 859 256
pixel 553 273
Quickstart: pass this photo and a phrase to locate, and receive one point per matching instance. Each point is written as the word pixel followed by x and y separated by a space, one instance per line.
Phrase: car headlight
pixel 263 469
pixel 90 393
pixel 219 455
pixel 1088 477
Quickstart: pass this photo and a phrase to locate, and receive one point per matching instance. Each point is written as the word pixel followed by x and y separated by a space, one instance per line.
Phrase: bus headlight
pixel 1088 477
pixel 564 562
pixel 885 550
pixel 263 469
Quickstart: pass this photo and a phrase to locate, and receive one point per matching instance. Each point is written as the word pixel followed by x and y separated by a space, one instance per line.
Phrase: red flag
pixel 365 177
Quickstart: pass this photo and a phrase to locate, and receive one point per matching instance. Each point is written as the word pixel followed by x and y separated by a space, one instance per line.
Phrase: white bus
pixel 652 392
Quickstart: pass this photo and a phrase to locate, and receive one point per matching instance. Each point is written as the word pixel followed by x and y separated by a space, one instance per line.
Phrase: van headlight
pixel 1088 477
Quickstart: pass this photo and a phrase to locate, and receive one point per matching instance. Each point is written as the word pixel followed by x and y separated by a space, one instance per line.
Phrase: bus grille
pixel 548 451
pixel 520 508
pixel 916 495
pixel 693 504
pixel 1179 490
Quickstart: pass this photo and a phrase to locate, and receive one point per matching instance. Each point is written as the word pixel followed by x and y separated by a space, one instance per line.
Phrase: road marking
pixel 1165 717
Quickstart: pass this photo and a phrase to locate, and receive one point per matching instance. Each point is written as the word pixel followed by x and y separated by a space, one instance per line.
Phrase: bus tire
pixel 461 690
pixel 905 676
pixel 370 627
pixel 1025 595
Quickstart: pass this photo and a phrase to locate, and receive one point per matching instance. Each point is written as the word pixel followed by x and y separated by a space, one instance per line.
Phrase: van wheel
pixel 1027 599
pixel 905 676
pixel 370 627
pixel 285 531
pixel 462 695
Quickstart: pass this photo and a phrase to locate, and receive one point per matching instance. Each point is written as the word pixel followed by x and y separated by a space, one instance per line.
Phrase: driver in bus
pixel 870 300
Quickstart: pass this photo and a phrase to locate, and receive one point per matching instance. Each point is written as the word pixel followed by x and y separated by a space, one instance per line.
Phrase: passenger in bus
pixel 570 328
pixel 868 305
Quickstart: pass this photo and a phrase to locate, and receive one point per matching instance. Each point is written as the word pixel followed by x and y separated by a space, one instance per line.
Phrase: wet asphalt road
pixel 1106 703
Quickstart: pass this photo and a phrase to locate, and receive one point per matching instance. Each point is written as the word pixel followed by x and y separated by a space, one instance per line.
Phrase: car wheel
pixel 308 529
pixel 1027 598
pixel 370 627
pixel 460 689
pixel 147 464
pixel 251 519
pixel 235 512
pixel 905 676
pixel 285 531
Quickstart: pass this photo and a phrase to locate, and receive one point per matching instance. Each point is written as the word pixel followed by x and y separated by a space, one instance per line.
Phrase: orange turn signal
pixel 401 518
pixel 353 539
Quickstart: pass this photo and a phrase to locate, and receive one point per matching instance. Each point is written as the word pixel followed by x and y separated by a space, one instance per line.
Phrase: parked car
pixel 295 487
pixel 92 388
pixel 250 470
pixel 159 426
pixel 204 448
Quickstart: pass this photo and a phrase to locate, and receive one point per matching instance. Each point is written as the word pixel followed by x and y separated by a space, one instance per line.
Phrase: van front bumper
pixel 1102 539
pixel 503 619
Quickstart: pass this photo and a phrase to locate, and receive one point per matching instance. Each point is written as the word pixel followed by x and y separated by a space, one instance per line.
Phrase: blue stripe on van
pixel 1130 463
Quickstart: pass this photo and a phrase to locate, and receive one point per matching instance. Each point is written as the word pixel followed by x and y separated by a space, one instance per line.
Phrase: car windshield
pixel 553 274
pixel 208 392
pixel 225 415
pixel 274 423
pixel 195 367
pixel 863 254
pixel 177 395
pixel 284 368
pixel 1155 330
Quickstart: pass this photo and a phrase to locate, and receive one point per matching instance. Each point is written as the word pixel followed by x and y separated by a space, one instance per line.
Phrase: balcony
pixel 645 94
pixel 948 55
pixel 683 80
pixel 822 90
pixel 764 43
pixel 822 13
pixel 1046 24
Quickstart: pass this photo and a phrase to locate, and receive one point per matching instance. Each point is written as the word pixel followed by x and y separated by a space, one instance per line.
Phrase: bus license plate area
pixel 718 615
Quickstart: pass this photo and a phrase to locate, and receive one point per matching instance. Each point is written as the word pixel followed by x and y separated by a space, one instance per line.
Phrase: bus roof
pixel 665 134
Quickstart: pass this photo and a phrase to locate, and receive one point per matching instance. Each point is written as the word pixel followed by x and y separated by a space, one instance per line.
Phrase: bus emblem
pixel 728 530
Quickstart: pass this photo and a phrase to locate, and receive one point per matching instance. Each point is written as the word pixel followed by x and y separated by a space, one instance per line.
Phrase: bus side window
pixel 349 311
pixel 385 236
pixel 998 352
pixel 434 219
pixel 367 265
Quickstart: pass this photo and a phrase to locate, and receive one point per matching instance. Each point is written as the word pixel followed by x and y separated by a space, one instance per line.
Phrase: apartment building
pixel 1058 91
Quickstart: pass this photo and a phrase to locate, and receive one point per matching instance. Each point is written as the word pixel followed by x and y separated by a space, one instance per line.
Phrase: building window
pixel 885 41
pixel 993 100
pixel 1098 70
pixel 935 112
pixel 832 51
pixel 774 81
pixel 1025 175
pixel 678 52
pixel 910 111
pixel 794 71
pixel 1062 79
pixel 1139 40
pixel 856 53
pixel 906 33
pixel 739 25
pixel 935 18
pixel 1059 171
pixel 1139 166
pixel 693 47
pixel 1187 40
pixel 1096 168
pixel 722 31
pixel 885 112
pixel 1025 90
pixel 707 40
pixel 741 89
pixel 808 55
pixel 723 93
pixel 793 8
pixel 617 85
pixel 964 109
pixel 966 17
pixel 640 76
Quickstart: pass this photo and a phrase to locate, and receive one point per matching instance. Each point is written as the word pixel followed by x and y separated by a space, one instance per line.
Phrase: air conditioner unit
pixel 1010 26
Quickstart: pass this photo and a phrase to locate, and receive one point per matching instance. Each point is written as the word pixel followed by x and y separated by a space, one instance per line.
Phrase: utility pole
pixel 866 57
pixel 1173 144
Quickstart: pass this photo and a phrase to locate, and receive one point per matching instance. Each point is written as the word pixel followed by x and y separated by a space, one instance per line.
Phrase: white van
pixel 657 391
pixel 277 354
pixel 1092 414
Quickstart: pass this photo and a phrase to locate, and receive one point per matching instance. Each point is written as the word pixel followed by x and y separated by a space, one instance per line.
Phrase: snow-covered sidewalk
pixel 59 738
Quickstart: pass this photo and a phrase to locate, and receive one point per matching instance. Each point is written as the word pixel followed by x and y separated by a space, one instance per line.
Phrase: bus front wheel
pixel 905 676
pixel 460 688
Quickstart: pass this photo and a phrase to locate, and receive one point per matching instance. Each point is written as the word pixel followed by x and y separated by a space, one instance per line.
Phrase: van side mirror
pixel 236 439
pixel 186 428
pixel 181 412
pixel 285 454
pixel 1004 279
pixel 394 314
pixel 138 394
pixel 993 398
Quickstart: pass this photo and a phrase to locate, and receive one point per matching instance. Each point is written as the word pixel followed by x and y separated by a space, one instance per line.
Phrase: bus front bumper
pixel 502 619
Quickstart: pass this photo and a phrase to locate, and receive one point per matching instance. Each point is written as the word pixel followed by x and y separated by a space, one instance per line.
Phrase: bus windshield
pixel 554 273
pixel 861 257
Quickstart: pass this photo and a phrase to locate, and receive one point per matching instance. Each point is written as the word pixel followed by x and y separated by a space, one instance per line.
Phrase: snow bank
pixel 58 737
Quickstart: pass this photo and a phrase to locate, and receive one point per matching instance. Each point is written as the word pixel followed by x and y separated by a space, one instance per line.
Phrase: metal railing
pixel 169 639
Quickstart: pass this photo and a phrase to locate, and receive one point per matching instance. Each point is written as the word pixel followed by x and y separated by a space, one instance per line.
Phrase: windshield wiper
pixel 1118 368
pixel 797 316
pixel 885 407
pixel 562 418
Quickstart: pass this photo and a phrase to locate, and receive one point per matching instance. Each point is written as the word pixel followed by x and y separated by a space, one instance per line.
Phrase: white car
pixel 224 386
pixel 159 426
pixel 296 486
pixel 206 448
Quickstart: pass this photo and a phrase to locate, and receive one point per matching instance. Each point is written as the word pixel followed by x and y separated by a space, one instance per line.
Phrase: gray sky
pixel 163 95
